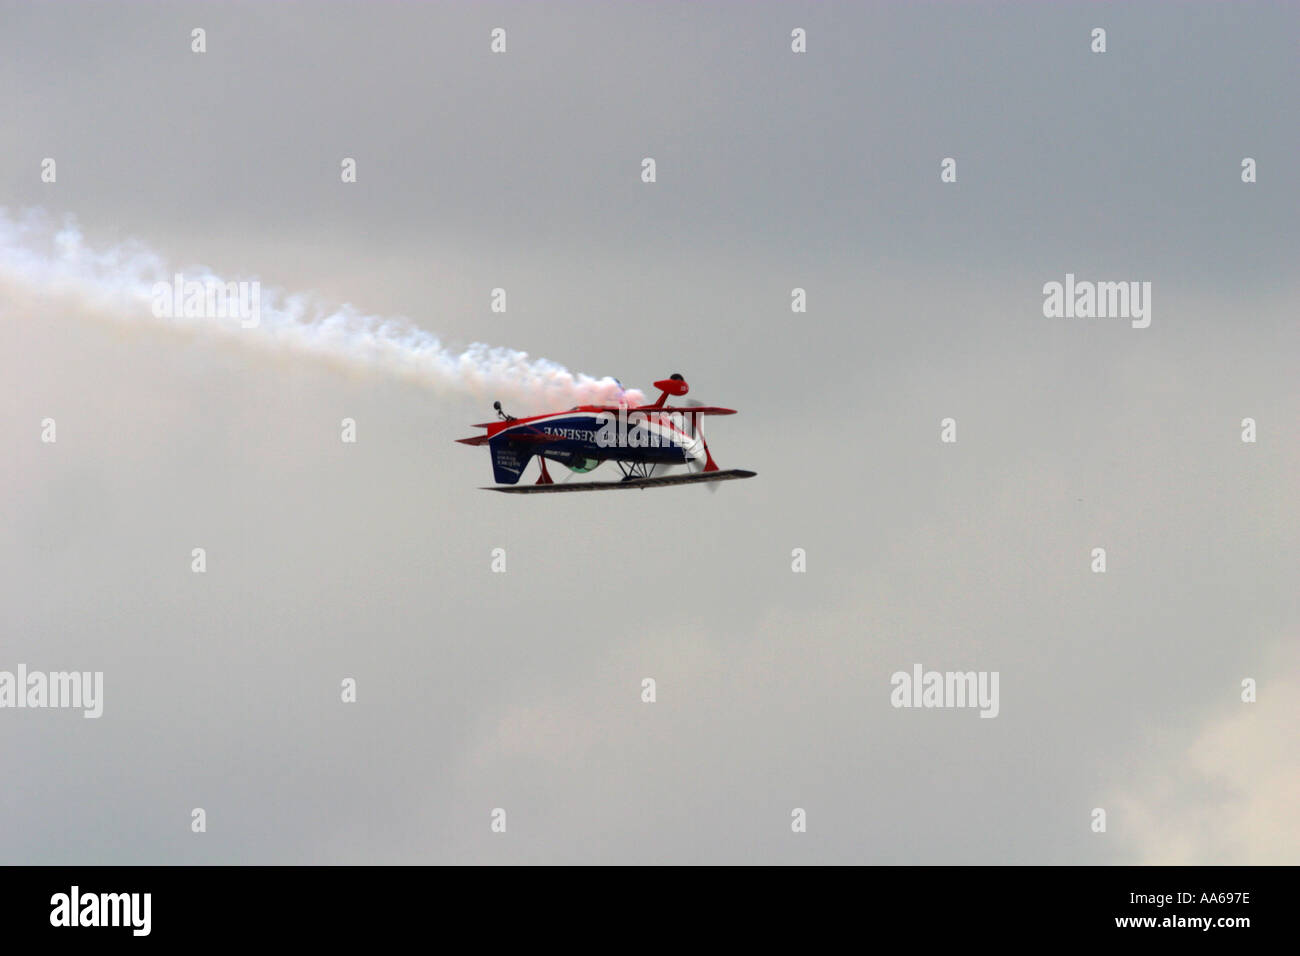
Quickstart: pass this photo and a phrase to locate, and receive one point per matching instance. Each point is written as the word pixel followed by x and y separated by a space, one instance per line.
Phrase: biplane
pixel 641 440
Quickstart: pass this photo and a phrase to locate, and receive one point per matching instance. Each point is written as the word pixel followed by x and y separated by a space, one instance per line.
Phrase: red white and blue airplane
pixel 638 439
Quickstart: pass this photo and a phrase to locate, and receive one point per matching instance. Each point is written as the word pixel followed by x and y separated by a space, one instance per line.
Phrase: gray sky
pixel 522 690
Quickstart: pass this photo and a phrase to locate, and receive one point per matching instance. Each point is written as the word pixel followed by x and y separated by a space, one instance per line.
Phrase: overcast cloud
pixel 775 170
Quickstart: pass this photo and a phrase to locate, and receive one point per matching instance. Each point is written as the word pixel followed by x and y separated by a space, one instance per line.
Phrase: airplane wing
pixel 692 409
pixel 690 479
pixel 521 438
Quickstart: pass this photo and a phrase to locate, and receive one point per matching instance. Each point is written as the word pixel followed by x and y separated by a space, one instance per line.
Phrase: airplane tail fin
pixel 508 461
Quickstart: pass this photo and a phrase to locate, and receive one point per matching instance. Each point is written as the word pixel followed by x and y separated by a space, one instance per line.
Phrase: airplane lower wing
pixel 526 438
pixel 692 479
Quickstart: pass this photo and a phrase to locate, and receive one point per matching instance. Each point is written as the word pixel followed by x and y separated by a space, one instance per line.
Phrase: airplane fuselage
pixel 582 438
pixel 639 438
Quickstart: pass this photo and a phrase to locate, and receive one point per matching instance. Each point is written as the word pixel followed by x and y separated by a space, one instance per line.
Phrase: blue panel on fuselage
pixel 575 438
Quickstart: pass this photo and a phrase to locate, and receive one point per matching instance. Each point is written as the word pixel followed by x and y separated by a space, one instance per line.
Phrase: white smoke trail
pixel 38 258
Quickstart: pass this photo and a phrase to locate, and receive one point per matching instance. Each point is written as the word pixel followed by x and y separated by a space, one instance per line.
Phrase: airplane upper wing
pixel 642 483
pixel 692 409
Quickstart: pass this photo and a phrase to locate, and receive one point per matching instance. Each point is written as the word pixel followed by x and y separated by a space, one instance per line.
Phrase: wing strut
pixel 545 478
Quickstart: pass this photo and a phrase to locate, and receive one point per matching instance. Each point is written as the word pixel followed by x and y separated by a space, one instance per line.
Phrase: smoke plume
pixel 43 261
